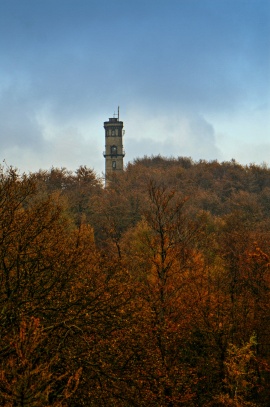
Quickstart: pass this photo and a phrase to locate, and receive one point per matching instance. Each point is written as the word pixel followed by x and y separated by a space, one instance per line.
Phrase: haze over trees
pixel 152 292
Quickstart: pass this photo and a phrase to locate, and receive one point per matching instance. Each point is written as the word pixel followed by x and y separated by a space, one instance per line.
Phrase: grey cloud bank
pixel 187 76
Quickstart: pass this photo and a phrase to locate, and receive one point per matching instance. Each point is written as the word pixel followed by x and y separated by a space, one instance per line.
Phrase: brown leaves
pixel 159 313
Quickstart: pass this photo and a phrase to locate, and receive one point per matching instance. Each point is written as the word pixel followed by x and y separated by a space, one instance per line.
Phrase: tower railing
pixel 114 155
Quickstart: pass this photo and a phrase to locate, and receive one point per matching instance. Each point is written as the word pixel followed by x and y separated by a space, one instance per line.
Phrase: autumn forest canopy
pixel 153 291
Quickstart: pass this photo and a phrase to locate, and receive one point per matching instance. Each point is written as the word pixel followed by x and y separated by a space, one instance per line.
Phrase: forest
pixel 153 291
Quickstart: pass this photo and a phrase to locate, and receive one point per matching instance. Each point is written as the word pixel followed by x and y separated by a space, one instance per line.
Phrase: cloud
pixel 182 74
pixel 18 124
pixel 171 135
pixel 254 153
pixel 65 147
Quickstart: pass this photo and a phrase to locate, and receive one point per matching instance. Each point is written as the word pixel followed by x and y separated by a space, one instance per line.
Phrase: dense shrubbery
pixel 151 292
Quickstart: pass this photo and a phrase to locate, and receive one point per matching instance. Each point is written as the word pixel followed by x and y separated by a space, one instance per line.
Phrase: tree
pixel 160 251
pixel 41 256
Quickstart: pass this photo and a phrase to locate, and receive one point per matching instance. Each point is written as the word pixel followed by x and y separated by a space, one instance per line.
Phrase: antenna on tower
pixel 118 112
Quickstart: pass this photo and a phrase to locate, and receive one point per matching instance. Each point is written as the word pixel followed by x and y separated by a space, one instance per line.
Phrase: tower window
pixel 114 165
pixel 113 150
pixel 113 132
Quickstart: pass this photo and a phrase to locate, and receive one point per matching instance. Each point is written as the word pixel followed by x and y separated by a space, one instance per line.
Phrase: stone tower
pixel 114 152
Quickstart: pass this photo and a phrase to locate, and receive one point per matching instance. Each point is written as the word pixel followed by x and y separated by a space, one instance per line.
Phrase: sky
pixel 191 77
